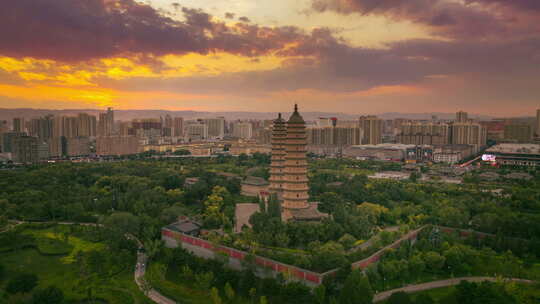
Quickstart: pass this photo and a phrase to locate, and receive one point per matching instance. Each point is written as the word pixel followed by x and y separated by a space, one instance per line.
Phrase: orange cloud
pixel 94 97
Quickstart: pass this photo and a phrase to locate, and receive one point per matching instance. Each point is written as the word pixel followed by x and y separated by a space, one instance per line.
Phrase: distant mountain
pixel 9 114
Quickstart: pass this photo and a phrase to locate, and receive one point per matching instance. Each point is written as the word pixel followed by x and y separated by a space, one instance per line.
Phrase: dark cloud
pixel 244 19
pixel 338 67
pixel 484 19
pixel 229 15
pixel 520 4
pixel 76 30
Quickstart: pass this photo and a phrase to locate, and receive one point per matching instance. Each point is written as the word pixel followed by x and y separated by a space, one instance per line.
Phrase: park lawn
pixel 55 235
pixel 51 270
pixel 61 270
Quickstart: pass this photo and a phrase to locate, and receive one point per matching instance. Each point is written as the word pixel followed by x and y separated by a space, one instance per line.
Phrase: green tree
pixel 49 295
pixel 399 297
pixel 356 289
pixel 229 292
pixel 347 241
pixel 417 265
pixel 329 202
pixel 274 207
pixel 204 280
pixel 424 298
pixel 22 283
pixel 434 261
pixel 122 222
pixel 153 247
pixel 320 294
pixel 214 295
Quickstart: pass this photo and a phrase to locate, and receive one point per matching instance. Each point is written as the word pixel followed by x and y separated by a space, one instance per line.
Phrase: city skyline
pixel 352 56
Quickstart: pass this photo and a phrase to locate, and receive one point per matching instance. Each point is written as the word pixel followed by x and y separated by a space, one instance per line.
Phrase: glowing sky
pixel 353 56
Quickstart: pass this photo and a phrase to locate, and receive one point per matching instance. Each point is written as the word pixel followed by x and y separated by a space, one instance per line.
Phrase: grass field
pixel 62 271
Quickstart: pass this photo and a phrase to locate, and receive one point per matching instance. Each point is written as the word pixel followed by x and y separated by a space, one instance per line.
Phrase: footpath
pixel 381 296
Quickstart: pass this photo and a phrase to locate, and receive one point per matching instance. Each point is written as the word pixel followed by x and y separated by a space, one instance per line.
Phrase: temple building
pixel 288 169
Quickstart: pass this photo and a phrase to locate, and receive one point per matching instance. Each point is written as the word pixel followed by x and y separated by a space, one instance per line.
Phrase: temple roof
pixel 296 117
pixel 279 119
pixel 305 214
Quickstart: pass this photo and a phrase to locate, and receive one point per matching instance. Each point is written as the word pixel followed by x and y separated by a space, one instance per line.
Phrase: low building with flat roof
pixel 513 155
pixel 395 175
pixel 186 226
pixel 253 186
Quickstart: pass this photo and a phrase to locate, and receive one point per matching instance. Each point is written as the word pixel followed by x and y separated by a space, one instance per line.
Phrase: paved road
pixel 438 284
pixel 140 270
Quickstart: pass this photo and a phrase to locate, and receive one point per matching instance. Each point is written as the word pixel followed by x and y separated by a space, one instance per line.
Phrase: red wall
pixel 240 255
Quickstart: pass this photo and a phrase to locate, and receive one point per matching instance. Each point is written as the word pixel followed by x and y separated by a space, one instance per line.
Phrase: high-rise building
pixel 277 164
pixel 106 123
pixel 3 126
pixel 518 132
pixel 7 140
pixel 243 130
pixel 338 136
pixel 125 128
pixel 295 180
pixel 58 146
pixel 495 129
pixel 419 133
pixel 58 127
pixel 78 146
pixel 147 127
pixel 216 127
pixel 25 149
pixel 197 131
pixel 167 129
pixel 538 123
pixel 71 126
pixel 372 129
pixel 117 145
pixel 19 125
pixel 41 128
pixel 467 133
pixel 86 125
pixel 178 127
pixel 462 116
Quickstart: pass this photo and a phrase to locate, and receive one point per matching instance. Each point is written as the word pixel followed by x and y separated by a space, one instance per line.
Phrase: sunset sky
pixel 352 56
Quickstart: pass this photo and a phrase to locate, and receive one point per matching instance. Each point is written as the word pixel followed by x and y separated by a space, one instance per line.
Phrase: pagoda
pixel 289 168
pixel 279 134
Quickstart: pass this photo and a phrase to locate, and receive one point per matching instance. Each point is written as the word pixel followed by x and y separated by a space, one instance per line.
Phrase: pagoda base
pixel 311 214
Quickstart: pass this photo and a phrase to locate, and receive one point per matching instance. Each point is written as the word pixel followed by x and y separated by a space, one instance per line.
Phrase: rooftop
pixel 185 226
pixel 384 146
pixel 255 181
pixel 515 148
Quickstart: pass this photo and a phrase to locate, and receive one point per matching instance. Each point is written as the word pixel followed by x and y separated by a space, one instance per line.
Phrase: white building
pixel 216 127
pixel 243 130
pixel 197 131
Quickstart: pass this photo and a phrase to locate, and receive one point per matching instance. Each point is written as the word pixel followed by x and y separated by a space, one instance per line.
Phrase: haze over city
pixel 353 56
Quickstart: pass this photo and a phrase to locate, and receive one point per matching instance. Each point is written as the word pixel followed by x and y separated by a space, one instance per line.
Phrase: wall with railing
pixel 206 249
pixel 195 245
